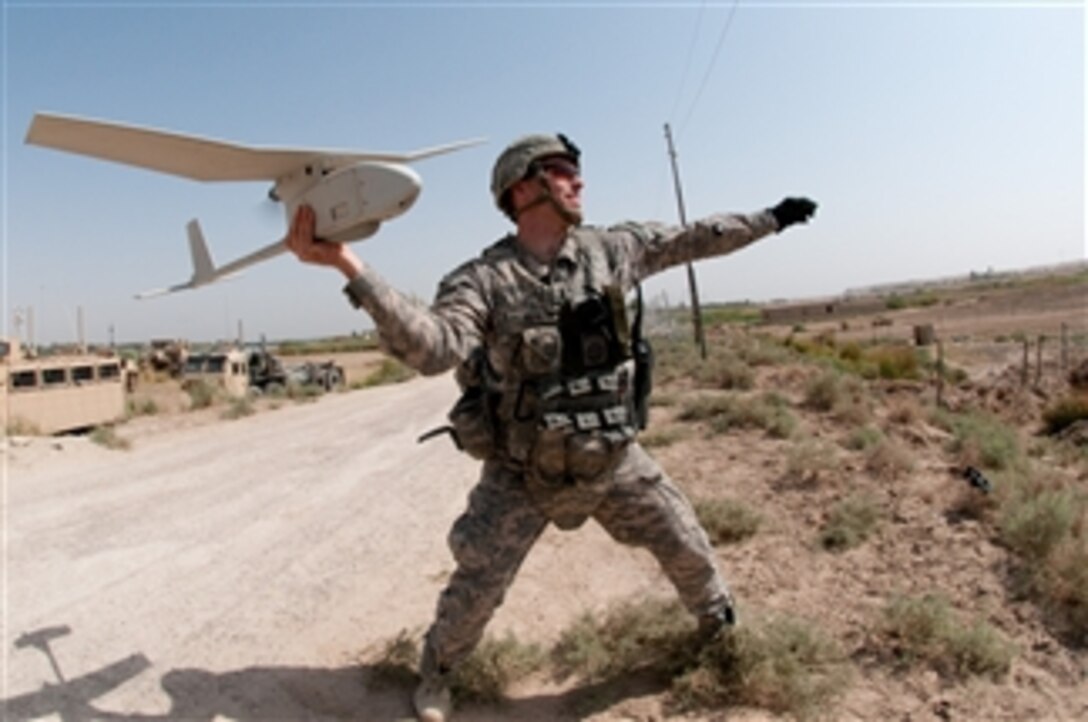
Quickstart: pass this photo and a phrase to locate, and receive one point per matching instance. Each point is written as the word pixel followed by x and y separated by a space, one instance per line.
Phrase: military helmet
pixel 517 161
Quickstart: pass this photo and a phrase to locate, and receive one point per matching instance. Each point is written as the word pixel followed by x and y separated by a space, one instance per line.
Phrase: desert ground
pixel 256 568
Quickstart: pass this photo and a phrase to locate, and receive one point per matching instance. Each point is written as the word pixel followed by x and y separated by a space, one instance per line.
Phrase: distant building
pixel 826 309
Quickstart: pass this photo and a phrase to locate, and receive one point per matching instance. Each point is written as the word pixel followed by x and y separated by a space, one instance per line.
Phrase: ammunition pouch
pixel 593 334
pixel 472 419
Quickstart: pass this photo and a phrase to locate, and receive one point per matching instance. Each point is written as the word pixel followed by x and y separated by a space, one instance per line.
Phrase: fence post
pixel 940 374
pixel 1039 359
pixel 1024 365
pixel 1065 352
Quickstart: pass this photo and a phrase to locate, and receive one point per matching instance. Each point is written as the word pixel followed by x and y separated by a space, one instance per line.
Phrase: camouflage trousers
pixel 640 507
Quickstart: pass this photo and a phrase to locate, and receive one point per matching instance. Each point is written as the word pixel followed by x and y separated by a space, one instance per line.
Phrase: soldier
pixel 553 388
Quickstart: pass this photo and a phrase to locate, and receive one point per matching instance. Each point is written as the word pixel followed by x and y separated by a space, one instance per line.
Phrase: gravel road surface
pixel 243 569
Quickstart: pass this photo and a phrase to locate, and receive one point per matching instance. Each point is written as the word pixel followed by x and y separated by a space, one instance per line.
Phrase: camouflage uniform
pixel 503 307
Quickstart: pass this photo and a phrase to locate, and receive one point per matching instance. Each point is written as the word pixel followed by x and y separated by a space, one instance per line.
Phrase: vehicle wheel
pixel 334 380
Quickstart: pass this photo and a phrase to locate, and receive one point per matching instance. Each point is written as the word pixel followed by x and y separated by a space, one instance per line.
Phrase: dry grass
pixel 850 522
pixel 924 630
pixel 727 521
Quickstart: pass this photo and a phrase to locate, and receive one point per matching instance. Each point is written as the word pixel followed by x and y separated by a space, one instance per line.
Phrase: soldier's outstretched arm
pixel 428 340
pixel 650 248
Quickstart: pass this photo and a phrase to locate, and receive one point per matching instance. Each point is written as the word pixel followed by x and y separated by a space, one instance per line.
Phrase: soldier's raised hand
pixel 307 248
pixel 793 210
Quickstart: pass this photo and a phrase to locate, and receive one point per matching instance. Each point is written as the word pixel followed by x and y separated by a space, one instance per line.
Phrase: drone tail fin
pixel 203 268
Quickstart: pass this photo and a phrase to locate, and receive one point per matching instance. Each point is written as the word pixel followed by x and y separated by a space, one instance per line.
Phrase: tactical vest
pixel 553 391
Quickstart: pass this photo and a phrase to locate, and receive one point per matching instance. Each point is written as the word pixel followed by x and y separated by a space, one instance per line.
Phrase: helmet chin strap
pixel 545 195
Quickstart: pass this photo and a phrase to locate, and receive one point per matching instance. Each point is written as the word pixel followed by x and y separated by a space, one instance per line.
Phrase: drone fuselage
pixel 352 201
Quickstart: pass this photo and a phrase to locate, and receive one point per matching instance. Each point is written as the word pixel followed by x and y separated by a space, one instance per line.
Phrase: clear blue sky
pixel 938 139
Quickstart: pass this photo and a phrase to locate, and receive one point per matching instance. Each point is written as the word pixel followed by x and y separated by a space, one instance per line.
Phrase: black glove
pixel 793 210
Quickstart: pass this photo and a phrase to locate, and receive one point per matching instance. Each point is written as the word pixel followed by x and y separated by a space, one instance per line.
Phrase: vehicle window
pixel 195 364
pixel 24 379
pixel 53 377
pixel 83 373
pixel 216 364
pixel 109 371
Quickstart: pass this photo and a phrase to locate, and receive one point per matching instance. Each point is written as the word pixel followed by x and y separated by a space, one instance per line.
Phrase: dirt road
pixel 239 569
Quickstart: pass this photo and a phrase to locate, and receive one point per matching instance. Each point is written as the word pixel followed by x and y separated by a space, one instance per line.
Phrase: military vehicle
pixel 54 394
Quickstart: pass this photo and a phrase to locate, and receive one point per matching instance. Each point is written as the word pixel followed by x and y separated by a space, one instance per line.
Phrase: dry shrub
pixel 396 665
pixel 1043 519
pixel 724 371
pixel 652 634
pixel 108 437
pixel 727 521
pixel 924 630
pixel 239 408
pixel 202 394
pixel 850 522
pixel 810 462
pixel 824 391
pixel 834 392
pixel 660 438
pixel 1035 524
pixel 905 411
pixel 1065 412
pixel 493 667
pixel 981 440
pixel 785 666
pixel 864 438
pixel 390 371
pixel 768 411
pixel 888 459
pixel 1067 588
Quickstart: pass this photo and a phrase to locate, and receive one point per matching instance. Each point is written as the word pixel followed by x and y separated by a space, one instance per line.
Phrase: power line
pixel 710 67
pixel 687 62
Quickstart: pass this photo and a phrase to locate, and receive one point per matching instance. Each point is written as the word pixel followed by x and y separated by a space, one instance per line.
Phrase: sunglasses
pixel 561 167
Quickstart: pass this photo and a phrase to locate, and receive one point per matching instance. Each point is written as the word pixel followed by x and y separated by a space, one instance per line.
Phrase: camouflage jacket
pixel 504 306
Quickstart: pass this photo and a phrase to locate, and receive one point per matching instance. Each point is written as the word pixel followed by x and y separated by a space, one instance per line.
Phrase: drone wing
pixel 190 156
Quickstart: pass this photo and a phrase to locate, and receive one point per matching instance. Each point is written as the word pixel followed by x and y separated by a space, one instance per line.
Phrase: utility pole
pixel 696 311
